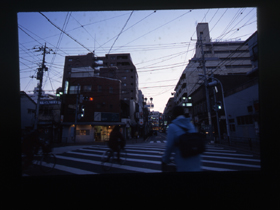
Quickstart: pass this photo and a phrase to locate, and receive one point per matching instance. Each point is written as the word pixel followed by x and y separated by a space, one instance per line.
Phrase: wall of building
pixel 237 107
pixel 104 98
pixel 28 111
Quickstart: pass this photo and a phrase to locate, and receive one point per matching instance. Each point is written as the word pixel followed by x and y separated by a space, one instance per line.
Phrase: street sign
pixel 97 116
pixel 50 102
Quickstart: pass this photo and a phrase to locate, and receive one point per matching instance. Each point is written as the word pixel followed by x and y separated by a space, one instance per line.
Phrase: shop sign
pixel 49 102
pixel 110 117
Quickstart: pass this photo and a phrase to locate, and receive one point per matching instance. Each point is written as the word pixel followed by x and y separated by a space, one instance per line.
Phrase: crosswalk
pixel 146 158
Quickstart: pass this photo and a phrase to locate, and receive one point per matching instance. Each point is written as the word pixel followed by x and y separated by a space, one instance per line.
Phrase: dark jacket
pixel 116 138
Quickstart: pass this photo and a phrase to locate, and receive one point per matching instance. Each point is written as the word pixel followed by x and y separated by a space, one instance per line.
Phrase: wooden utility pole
pixel 40 74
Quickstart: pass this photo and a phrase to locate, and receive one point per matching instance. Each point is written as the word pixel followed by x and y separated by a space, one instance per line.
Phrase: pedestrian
pixel 174 130
pixel 116 141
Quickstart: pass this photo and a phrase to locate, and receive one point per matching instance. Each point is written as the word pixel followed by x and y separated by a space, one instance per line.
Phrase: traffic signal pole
pixel 76 112
pixel 206 91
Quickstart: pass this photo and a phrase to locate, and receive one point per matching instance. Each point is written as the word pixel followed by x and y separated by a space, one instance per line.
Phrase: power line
pixel 120 32
pixel 65 33
pixel 29 35
pixel 129 27
pixel 157 28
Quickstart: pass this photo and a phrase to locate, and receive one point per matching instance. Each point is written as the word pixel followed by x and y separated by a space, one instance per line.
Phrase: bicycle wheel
pixel 123 156
pixel 47 162
pixel 107 160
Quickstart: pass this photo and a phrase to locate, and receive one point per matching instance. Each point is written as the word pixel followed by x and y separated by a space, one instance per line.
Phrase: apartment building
pixel 112 81
pixel 222 58
pixel 121 67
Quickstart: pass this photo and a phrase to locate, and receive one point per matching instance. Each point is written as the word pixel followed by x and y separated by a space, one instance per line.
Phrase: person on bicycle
pixel 30 146
pixel 116 141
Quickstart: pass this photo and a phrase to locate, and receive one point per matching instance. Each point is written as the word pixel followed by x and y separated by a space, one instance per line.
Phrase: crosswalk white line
pixel 128 154
pixel 216 169
pixel 230 163
pixel 159 156
pixel 141 161
pixel 130 168
pixel 231 158
pixel 230 154
pixel 73 170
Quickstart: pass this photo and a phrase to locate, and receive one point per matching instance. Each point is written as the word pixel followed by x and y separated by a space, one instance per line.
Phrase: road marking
pixel 230 154
pixel 232 158
pixel 73 170
pixel 230 163
pixel 130 168
pixel 216 169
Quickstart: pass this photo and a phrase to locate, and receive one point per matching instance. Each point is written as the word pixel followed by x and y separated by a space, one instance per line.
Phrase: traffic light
pixel 219 104
pixel 82 113
pixel 184 101
pixel 88 98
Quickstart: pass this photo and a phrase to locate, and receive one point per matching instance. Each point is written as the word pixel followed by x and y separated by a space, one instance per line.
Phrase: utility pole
pixel 76 112
pixel 206 90
pixel 216 110
pixel 40 78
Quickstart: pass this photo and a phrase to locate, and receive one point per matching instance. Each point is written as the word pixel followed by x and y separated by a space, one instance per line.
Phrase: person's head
pixel 177 111
pixel 116 128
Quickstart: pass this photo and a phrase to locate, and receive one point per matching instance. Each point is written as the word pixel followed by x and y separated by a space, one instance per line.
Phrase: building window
pixel 111 90
pixel 232 127
pixel 70 59
pixel 73 90
pixel 30 111
pixel 83 132
pixel 244 120
pixel 124 84
pixel 87 88
pixel 123 77
pixel 99 88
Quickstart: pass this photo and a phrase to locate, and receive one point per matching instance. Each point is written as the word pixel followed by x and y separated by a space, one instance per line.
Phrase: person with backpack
pixel 180 125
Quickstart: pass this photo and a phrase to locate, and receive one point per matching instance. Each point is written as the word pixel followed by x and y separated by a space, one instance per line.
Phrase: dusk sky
pixel 159 42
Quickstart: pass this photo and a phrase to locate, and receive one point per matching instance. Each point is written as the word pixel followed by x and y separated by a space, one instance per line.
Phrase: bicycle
pixel 45 160
pixel 110 156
